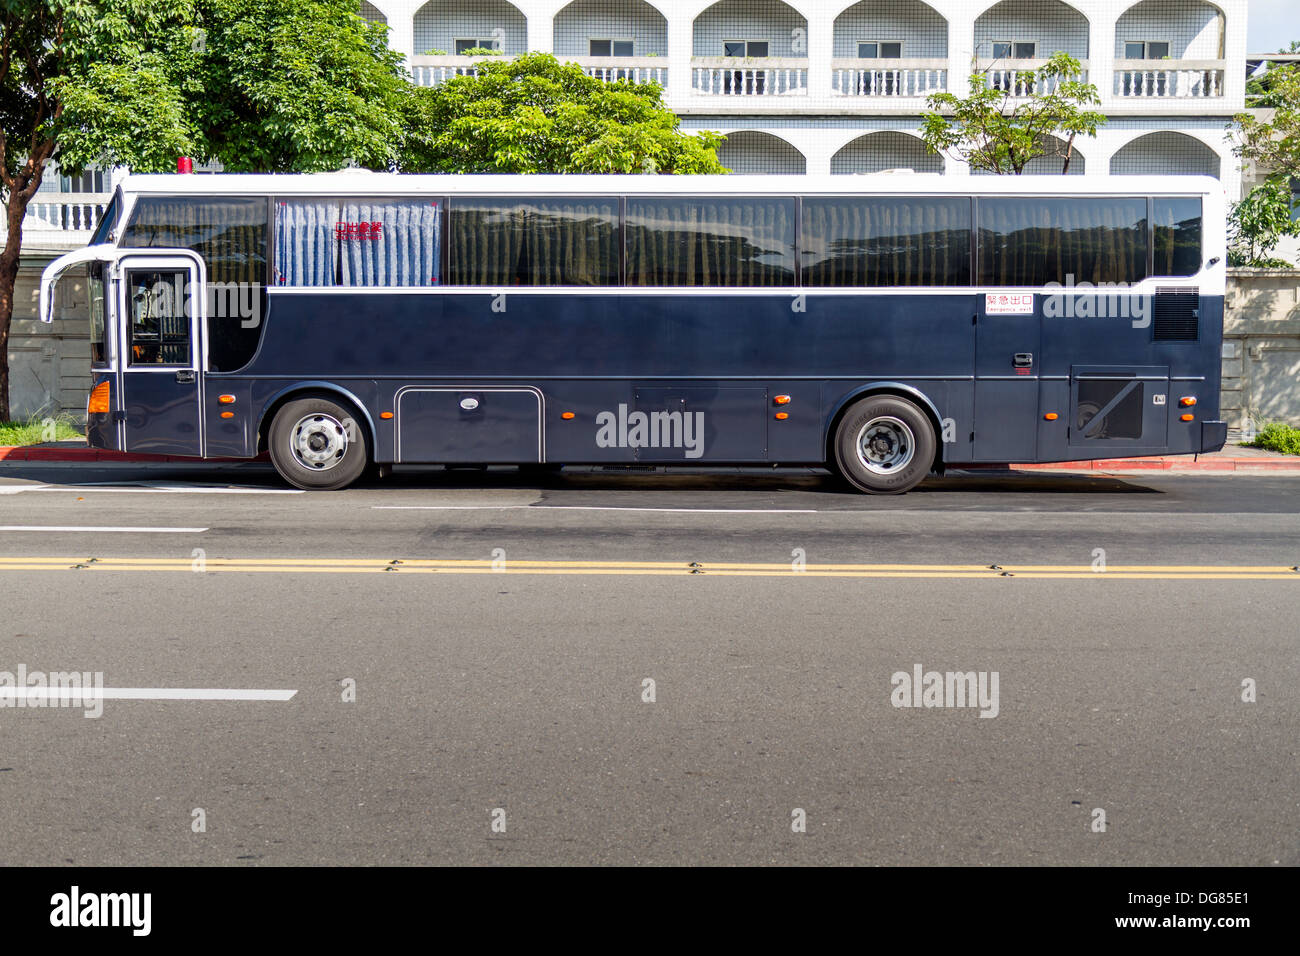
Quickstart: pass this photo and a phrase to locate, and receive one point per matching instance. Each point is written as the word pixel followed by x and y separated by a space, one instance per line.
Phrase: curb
pixel 1160 464
pixel 36 453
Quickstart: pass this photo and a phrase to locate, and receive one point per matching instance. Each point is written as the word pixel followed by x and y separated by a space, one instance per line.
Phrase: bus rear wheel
pixel 318 445
pixel 884 445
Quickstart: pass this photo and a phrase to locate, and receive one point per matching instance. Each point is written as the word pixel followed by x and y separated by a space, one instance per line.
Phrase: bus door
pixel 1007 346
pixel 160 312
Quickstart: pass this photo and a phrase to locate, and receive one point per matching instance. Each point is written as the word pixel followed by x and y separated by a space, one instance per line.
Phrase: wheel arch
pixel 897 389
pixel 299 390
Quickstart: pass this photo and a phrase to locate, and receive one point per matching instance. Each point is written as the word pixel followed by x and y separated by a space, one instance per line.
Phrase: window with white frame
pixel 1014 49
pixel 751 48
pixel 481 43
pixel 880 49
pixel 610 47
pixel 1146 49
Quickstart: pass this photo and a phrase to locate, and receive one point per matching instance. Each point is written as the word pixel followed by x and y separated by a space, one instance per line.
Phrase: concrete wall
pixel 49 365
pixel 1261 349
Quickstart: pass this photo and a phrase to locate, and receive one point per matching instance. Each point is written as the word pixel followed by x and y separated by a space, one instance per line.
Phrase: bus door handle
pixel 1023 360
pixel 185 376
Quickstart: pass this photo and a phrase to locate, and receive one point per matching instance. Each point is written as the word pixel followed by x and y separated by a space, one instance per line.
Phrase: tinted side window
pixel 545 242
pixel 230 235
pixel 724 241
pixel 879 241
pixel 1176 236
pixel 1031 242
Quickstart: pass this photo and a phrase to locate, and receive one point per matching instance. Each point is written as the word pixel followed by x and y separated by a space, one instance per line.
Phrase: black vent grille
pixel 1176 314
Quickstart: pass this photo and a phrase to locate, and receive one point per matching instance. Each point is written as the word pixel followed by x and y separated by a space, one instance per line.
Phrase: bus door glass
pixel 103 423
pixel 160 322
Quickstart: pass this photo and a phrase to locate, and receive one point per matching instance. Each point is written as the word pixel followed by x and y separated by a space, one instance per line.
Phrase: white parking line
pixel 702 511
pixel 77 527
pixel 12 694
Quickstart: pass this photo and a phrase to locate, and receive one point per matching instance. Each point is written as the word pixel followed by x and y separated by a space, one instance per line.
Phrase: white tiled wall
pixel 887 149
pixel 439 23
pixel 923 32
pixel 1191 29
pixel 633 20
pixel 1054 26
pixel 782 26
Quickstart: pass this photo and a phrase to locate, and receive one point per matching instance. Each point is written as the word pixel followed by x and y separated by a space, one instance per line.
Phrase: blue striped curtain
pixel 305 249
pixel 390 242
pixel 396 245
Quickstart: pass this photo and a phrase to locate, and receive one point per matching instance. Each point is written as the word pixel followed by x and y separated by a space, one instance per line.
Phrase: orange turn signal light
pixel 98 403
pixel 1187 418
pixel 782 399
pixel 227 414
pixel 226 399
pixel 567 415
pixel 385 415
pixel 1051 416
pixel 782 416
pixel 1188 400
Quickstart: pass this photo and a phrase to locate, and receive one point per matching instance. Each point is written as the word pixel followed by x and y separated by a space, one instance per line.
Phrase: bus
pixel 885 327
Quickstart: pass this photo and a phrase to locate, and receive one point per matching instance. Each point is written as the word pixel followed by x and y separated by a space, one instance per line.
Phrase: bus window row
pixel 724 242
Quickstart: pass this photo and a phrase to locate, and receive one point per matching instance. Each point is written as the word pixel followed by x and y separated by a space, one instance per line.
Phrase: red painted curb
pixel 31 453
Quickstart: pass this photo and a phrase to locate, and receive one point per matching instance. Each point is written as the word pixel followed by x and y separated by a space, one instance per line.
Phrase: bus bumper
pixel 1213 435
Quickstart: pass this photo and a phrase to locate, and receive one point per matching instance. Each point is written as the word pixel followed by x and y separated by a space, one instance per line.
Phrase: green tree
pixel 1272 140
pixel 996 131
pixel 259 85
pixel 534 114
pixel 1259 222
pixel 1259 89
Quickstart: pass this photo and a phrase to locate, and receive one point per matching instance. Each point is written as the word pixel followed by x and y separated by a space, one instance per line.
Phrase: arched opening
pixel 454 26
pixel 749 152
pixel 610 28
pixel 1167 153
pixel 887 149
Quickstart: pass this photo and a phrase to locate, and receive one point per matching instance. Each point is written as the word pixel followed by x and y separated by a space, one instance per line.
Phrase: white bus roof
pixel 362 183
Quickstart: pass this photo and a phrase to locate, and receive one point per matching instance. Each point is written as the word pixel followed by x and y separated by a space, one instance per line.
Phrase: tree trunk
pixel 8 280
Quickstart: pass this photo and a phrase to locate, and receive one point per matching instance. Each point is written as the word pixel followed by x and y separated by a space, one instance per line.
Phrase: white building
pixel 834 86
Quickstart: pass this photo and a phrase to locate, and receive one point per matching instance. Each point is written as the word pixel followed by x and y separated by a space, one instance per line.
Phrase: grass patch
pixel 1277 437
pixel 38 430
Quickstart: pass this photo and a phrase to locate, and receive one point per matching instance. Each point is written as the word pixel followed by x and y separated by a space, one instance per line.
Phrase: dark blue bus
pixel 883 326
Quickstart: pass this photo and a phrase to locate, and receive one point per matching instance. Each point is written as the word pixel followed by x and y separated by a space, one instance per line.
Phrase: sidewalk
pixel 1233 458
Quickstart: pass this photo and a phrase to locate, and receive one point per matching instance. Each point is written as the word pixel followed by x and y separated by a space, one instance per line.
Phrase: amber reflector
pixel 782 399
pixel 226 399
pixel 1187 418
pixel 567 415
pixel 98 404
pixel 1051 416
pixel 227 414
pixel 782 416
pixel 385 414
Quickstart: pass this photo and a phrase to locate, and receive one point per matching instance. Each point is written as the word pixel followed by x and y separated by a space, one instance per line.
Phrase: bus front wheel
pixel 317 444
pixel 884 445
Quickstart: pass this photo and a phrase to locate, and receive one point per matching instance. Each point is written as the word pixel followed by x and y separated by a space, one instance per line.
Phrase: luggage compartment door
pixel 448 425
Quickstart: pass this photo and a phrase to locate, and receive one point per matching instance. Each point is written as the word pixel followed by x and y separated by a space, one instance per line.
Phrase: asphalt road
pixel 501 666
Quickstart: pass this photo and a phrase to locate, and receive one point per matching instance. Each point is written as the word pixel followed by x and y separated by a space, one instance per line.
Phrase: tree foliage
pixel 534 114
pixel 996 131
pixel 1259 222
pixel 1272 140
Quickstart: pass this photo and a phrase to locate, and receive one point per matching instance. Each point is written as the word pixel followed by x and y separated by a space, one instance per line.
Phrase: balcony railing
pixel 749 76
pixel 65 212
pixel 1176 79
pixel 433 70
pixel 638 69
pixel 888 78
pixel 1007 77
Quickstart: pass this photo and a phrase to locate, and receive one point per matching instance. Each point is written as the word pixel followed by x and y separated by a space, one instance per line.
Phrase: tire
pixel 318 444
pixel 884 445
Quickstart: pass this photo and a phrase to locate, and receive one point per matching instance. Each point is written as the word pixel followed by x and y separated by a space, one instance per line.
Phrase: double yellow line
pixel 407 566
